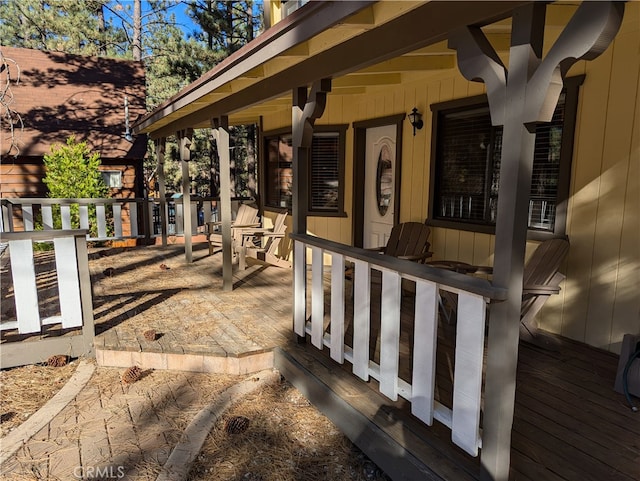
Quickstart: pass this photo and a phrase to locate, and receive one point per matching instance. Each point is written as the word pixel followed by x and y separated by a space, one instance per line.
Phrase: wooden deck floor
pixel 569 422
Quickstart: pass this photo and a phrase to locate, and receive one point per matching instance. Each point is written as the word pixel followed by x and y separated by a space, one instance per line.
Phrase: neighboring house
pixel 369 65
pixel 60 95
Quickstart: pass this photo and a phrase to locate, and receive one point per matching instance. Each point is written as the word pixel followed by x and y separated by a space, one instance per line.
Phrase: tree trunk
pixel 137 30
pixel 102 48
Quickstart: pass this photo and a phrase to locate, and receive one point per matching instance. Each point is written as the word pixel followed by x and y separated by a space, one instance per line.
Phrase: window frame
pixel 571 87
pixel 111 172
pixel 341 130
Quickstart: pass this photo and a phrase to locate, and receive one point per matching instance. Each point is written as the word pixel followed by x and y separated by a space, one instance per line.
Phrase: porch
pixel 569 423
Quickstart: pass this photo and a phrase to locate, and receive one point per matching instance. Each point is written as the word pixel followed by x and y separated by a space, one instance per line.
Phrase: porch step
pixel 244 363
pixel 401 446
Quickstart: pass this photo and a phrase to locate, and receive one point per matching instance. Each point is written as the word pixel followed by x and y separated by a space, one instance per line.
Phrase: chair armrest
pixel 269 234
pixel 541 289
pixel 244 226
pixel 417 257
pixel 461 267
pixel 376 249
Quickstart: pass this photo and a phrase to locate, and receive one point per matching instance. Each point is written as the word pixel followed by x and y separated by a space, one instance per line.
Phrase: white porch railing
pixel 73 296
pixel 114 218
pixel 463 418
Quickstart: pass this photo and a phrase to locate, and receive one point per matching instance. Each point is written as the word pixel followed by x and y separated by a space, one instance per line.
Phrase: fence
pixel 32 296
pixel 114 219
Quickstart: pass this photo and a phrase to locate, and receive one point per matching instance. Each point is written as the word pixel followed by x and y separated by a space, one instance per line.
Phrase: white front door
pixel 379 190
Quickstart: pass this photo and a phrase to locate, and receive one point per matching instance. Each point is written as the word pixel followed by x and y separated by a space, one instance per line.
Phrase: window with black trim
pixel 466 179
pixel 326 193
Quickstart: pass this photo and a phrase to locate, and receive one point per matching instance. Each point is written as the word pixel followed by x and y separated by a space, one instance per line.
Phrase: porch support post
pixel 527 96
pixel 307 107
pixel 221 136
pixel 160 151
pixel 184 139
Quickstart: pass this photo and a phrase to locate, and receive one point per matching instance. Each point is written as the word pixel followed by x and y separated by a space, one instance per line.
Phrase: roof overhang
pixel 357 44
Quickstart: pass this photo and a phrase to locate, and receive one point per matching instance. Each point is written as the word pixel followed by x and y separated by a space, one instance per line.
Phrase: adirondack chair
pixel 541 279
pixel 247 216
pixel 408 240
pixel 263 244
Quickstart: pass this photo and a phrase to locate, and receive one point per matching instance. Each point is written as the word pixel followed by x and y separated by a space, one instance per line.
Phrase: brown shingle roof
pixel 61 95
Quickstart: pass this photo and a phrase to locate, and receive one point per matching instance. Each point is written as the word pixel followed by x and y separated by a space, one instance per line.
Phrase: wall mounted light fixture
pixel 415 118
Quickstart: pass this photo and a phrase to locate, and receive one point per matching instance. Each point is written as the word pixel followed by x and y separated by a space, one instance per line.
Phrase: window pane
pixel 324 172
pixel 112 178
pixel 464 151
pixel 546 170
pixel 279 172
pixel 468 168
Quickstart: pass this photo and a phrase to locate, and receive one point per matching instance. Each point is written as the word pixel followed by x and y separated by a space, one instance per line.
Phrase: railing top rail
pixel 475 285
pixel 42 235
pixel 55 201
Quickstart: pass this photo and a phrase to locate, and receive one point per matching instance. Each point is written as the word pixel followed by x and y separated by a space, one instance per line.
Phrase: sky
pixel 179 9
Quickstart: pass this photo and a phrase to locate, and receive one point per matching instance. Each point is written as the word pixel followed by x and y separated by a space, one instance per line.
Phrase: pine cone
pixel 131 375
pixel 236 425
pixel 150 334
pixel 57 360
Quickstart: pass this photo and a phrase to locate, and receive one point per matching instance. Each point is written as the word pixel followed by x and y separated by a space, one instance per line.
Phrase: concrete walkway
pixel 114 431
pixel 111 430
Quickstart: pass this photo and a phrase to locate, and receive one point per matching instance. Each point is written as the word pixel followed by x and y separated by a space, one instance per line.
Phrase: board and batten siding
pixel 600 299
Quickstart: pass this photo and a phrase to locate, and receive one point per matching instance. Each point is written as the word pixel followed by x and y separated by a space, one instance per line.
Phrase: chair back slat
pixel 408 238
pixel 545 261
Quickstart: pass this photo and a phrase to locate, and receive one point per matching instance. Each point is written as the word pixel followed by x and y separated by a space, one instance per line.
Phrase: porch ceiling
pixel 360 45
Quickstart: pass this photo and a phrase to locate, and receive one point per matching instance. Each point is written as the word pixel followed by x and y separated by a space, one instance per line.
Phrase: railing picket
pixel 467 386
pixel 337 308
pixel 47 217
pixel 300 288
pixel 65 215
pixel 6 219
pixel 27 217
pixel 84 217
pixel 68 283
pixel 24 286
pixel 390 334
pixel 361 319
pixel 101 217
pixel 317 297
pixel 424 351
pixel 117 221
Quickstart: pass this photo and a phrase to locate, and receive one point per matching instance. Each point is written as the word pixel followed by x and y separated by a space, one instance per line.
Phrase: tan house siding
pixel 600 299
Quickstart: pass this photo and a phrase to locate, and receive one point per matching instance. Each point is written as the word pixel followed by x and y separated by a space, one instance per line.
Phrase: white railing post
pixel 65 214
pixel 299 288
pixel 68 283
pixel 390 334
pixel 337 307
pixel 467 387
pixel 425 336
pixel 24 285
pixel 27 217
pixel 361 319
pixel 133 218
pixel 317 297
pixel 84 217
pixel 117 220
pixel 101 218
pixel 47 217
